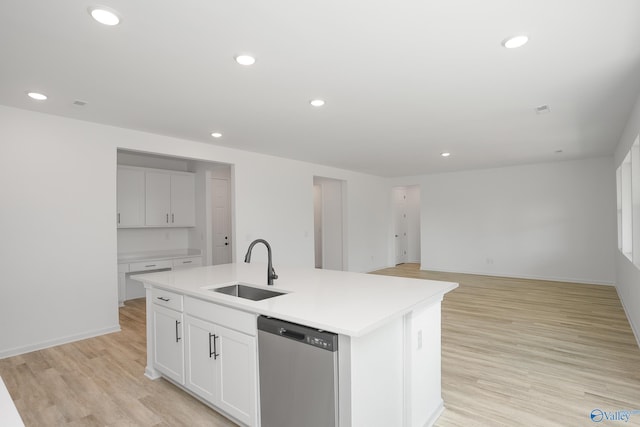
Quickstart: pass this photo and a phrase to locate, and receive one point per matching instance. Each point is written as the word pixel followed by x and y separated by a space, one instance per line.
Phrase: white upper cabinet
pixel 155 198
pixel 130 197
pixel 183 200
pixel 170 199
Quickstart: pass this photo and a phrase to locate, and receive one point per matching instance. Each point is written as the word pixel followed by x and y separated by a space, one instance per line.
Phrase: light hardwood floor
pixel 521 352
pixel 100 382
pixel 514 353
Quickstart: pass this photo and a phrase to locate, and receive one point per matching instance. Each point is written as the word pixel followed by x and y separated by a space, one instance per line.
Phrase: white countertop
pixel 9 416
pixel 157 255
pixel 341 302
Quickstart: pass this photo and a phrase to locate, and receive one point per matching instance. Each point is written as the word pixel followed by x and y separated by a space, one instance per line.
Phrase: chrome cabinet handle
pixel 167 218
pixel 118 217
pixel 164 299
pixel 213 353
pixel 177 337
pixel 150 265
pixel 172 218
pixel 187 262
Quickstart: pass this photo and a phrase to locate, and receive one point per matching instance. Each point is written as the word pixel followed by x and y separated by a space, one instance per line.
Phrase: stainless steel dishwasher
pixel 298 375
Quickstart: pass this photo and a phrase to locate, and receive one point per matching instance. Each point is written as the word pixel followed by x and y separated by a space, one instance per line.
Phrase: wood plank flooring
pixel 100 382
pixel 514 353
pixel 521 352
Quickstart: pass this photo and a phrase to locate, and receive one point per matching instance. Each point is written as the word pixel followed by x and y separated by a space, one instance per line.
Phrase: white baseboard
pixel 634 329
pixel 58 341
pixel 521 276
pixel 378 268
pixel 435 415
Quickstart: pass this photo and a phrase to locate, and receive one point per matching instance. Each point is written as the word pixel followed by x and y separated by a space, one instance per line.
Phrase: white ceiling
pixel 403 80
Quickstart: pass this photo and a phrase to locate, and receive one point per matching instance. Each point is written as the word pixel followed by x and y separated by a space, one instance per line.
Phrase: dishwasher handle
pixel 291 334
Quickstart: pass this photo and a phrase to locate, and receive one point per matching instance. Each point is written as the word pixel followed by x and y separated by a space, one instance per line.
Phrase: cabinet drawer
pixel 195 261
pixel 231 318
pixel 149 265
pixel 167 299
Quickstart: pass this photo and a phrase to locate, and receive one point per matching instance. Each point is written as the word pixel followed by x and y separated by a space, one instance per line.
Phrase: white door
pixel 237 374
pixel 401 224
pixel 221 217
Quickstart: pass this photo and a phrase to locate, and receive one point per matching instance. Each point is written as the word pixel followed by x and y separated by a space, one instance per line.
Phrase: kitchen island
pixel 388 337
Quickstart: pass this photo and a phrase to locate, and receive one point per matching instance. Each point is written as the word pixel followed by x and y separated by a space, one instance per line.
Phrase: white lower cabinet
pixel 221 367
pixel 201 370
pixel 214 361
pixel 237 374
pixel 168 344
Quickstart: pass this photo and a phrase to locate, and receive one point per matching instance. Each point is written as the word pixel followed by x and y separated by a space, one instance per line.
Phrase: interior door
pixel 401 225
pixel 221 217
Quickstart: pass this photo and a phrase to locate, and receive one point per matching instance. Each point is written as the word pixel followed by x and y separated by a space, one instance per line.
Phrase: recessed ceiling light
pixel 245 60
pixel 37 96
pixel 216 134
pixel 317 102
pixel 543 109
pixel 104 16
pixel 515 42
pixel 445 154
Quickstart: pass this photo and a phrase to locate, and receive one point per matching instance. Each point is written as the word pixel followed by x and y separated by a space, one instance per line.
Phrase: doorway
pixel 406 226
pixel 328 218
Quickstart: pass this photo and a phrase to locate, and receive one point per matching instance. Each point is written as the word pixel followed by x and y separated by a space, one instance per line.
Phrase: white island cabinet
pixel 388 338
pixel 221 361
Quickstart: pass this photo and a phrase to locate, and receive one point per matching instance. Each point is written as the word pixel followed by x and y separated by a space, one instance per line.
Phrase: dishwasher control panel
pixel 320 342
pixel 300 333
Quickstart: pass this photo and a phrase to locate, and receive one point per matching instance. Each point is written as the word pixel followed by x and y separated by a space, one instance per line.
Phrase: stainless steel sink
pixel 248 292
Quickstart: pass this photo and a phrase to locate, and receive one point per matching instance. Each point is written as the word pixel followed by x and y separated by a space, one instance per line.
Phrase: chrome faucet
pixel 271 273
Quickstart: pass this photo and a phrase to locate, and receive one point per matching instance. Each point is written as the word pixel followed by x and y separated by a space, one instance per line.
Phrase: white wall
pixel 553 221
pixel 59 239
pixel 152 239
pixel 58 231
pixel 627 274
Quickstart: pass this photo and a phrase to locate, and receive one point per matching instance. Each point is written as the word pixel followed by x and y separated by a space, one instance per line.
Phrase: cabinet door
pixel 237 373
pixel 130 197
pixel 157 198
pixel 183 201
pixel 200 344
pixel 167 338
